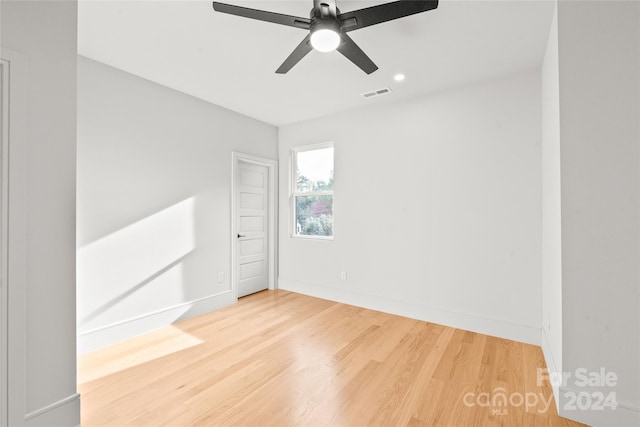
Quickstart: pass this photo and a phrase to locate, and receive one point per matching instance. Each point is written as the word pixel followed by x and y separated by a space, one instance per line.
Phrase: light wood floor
pixel 280 359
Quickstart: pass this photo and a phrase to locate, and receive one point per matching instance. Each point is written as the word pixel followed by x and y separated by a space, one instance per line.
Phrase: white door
pixel 252 221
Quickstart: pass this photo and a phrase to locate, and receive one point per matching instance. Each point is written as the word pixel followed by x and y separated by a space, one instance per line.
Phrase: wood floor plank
pixel 403 407
pixel 278 359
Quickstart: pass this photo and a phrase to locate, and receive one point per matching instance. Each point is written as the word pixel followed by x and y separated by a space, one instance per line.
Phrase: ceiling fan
pixel 328 27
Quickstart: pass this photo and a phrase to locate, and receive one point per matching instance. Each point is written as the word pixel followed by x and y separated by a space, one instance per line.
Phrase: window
pixel 312 189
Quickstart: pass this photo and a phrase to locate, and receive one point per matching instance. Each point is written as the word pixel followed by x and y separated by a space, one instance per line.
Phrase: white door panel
pixel 252 223
pixel 250 247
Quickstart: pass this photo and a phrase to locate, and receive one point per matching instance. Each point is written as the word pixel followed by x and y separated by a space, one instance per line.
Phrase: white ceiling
pixel 231 61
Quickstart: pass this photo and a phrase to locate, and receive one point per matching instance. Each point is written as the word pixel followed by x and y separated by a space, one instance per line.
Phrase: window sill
pixel 317 238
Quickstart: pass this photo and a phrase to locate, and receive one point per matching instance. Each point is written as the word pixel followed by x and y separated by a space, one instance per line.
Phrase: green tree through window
pixel 313 192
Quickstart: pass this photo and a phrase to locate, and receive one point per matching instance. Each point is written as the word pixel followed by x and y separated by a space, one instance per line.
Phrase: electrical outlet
pixel 343 275
pixel 220 277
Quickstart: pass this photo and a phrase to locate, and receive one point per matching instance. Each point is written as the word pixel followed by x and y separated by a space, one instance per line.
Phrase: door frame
pixel 14 237
pixel 272 171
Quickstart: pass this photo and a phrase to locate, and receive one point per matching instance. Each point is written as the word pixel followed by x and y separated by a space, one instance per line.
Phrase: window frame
pixel 293 193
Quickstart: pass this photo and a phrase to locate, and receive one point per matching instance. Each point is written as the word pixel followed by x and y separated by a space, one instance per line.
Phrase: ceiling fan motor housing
pixel 325 24
pixel 322 19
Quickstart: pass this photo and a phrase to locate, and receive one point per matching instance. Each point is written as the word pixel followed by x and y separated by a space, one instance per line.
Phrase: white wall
pixel 154 193
pixel 42 362
pixel 437 209
pixel 551 212
pixel 599 69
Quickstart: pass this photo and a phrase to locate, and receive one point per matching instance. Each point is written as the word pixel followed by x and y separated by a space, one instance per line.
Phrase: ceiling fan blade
pixel 361 18
pixel 350 49
pixel 263 15
pixel 298 53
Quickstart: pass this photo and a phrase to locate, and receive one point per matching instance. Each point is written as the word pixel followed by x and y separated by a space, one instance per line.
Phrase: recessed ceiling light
pixel 398 77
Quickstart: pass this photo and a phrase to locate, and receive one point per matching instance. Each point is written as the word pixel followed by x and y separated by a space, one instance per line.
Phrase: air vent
pixel 378 92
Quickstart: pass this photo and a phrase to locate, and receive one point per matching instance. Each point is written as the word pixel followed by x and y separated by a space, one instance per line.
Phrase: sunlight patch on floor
pixel 160 343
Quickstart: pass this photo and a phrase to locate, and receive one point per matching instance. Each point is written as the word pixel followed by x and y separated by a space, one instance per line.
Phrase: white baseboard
pixel 63 413
pixel 552 367
pixel 128 328
pixel 468 321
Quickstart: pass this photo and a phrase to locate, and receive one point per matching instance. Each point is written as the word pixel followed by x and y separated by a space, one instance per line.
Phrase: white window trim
pixel 292 192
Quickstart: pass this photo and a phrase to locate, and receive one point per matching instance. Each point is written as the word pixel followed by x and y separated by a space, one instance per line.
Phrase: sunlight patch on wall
pixel 116 270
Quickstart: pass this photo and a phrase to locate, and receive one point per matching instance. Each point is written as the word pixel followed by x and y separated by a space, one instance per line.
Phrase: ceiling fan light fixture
pixel 325 40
